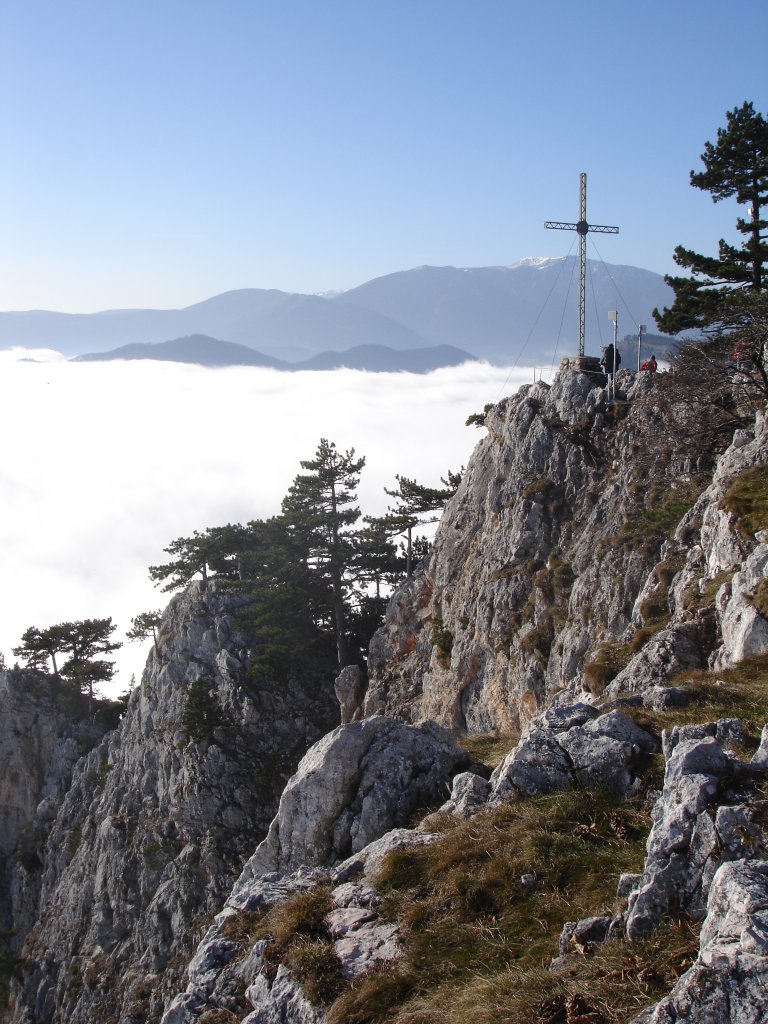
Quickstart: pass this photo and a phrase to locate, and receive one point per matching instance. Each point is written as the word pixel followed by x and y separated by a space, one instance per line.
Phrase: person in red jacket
pixel 650 364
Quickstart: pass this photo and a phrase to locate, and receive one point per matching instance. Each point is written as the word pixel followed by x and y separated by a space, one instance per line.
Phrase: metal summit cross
pixel 583 228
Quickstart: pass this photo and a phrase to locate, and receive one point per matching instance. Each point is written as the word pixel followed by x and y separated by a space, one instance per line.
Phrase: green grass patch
pixel 471 926
pixel 747 498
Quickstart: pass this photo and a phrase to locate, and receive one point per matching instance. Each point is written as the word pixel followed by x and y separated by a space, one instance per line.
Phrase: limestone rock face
pixel 41 740
pixel 539 568
pixel 573 748
pixel 727 983
pixel 358 782
pixel 350 691
pixel 340 810
pixel 700 820
pixel 156 826
pixel 545 607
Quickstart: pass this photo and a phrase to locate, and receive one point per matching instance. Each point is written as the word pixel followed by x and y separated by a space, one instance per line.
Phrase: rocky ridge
pixel 545 609
pixel 542 562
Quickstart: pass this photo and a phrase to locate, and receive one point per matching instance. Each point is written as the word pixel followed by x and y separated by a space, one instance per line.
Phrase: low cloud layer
pixel 105 463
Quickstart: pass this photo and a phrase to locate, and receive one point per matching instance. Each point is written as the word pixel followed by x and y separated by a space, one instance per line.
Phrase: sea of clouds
pixel 104 464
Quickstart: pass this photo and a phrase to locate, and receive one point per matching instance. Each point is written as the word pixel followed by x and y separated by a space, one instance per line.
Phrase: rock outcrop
pixel 43 736
pixel 575 746
pixel 158 821
pixel 344 810
pixel 544 585
pixel 729 981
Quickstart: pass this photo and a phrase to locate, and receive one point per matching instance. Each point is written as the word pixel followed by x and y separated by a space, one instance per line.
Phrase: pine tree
pixel 85 641
pixel 144 625
pixel 202 713
pixel 219 548
pixel 39 645
pixel 736 166
pixel 416 506
pixel 289 605
pixel 320 509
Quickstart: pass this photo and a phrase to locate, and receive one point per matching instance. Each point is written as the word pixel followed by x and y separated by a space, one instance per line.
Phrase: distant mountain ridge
pixel 524 313
pixel 203 350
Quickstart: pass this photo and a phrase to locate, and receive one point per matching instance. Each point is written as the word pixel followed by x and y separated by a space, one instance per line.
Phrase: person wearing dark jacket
pixel 611 360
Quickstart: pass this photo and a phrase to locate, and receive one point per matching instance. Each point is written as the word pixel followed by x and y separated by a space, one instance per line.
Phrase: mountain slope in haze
pixel 203 350
pixel 524 313
pixel 279 324
pixel 195 348
pixel 381 359
pixel 527 311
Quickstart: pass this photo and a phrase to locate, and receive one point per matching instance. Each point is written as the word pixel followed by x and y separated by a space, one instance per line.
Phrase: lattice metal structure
pixel 583 228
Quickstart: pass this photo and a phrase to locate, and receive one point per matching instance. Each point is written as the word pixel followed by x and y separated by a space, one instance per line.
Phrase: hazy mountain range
pixel 525 313
pixel 206 351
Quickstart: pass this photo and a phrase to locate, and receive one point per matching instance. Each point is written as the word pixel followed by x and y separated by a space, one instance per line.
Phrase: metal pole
pixel 582 228
pixel 640 333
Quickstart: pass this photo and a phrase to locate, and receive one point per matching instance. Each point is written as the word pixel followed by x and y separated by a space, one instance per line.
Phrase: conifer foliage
pixel 314 579
pixel 417 505
pixel 735 166
pixel 202 713
pixel 81 644
pixel 320 509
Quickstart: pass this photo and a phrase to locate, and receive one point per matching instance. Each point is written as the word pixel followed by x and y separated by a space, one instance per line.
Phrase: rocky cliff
pixel 157 823
pixel 573 557
pixel 592 627
pixel 42 738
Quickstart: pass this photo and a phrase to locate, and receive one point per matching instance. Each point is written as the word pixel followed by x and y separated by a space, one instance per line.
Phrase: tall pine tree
pixel 735 166
pixel 320 510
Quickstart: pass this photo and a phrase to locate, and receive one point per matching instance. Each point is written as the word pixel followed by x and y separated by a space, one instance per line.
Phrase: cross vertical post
pixel 583 228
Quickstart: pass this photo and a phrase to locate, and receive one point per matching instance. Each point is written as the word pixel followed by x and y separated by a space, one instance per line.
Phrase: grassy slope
pixel 478 941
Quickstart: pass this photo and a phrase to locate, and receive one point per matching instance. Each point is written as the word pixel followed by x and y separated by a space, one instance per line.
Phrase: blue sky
pixel 157 153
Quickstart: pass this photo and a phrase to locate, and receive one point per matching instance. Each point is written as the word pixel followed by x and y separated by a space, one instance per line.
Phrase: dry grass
pixel 303 914
pixel 605 664
pixel 478 940
pixel 297 935
pixel 490 748
pixel 740 692
pixel 609 987
pixel 747 497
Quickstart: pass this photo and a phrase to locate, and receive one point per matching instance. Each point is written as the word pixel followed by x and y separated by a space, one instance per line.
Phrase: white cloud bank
pixel 104 464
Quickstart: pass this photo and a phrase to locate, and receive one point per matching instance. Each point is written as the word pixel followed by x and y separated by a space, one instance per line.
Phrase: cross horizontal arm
pixel 561 225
